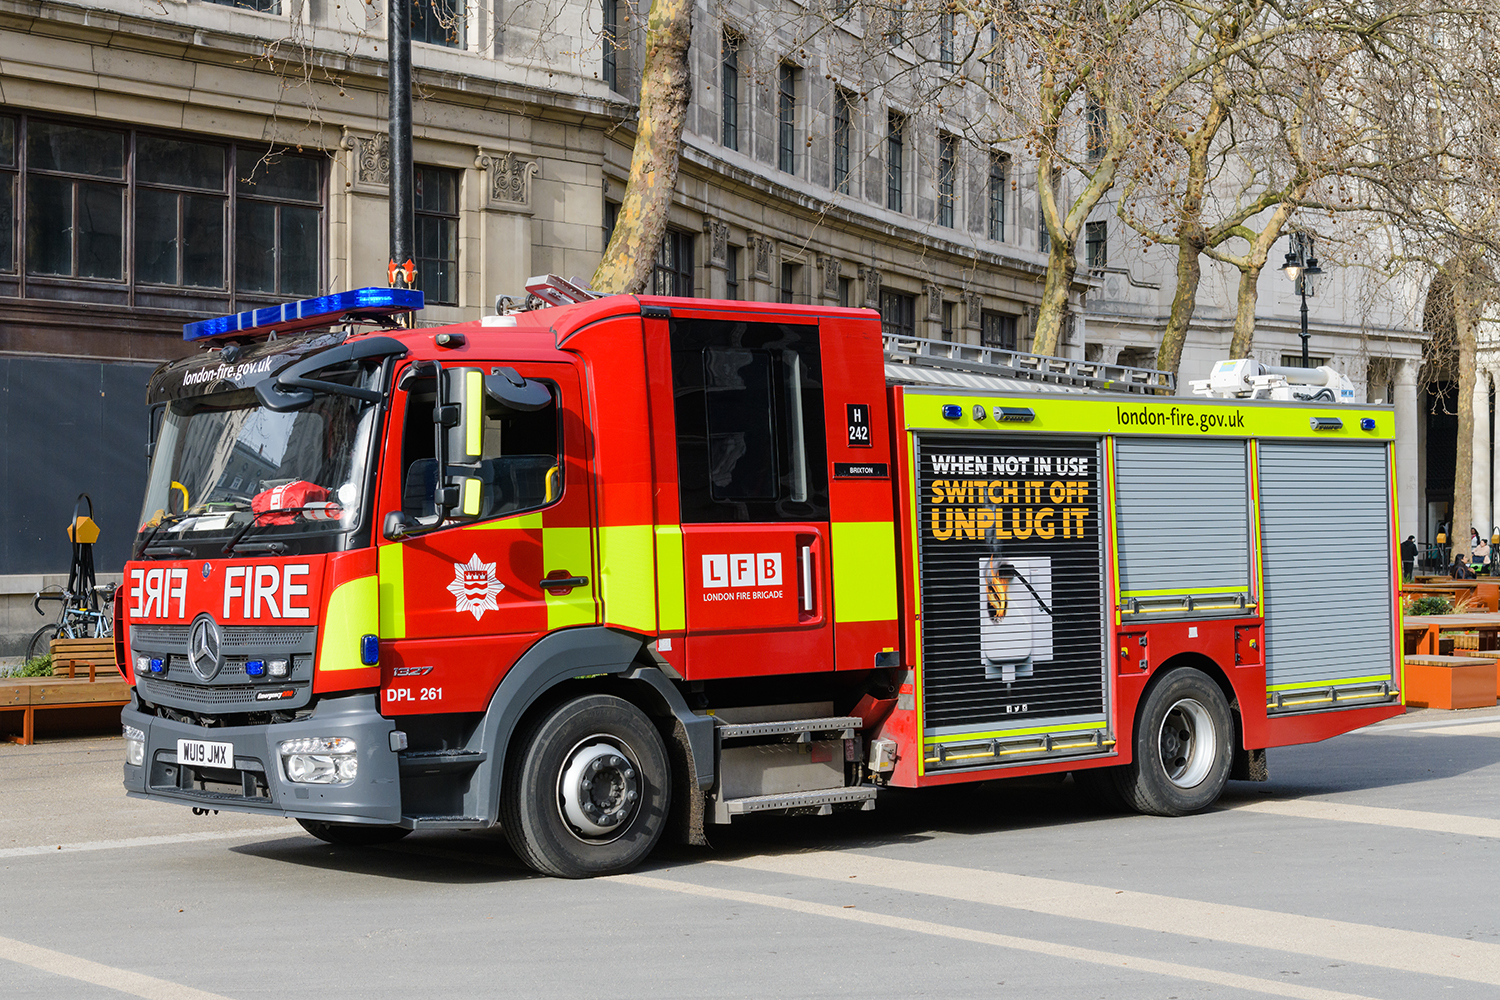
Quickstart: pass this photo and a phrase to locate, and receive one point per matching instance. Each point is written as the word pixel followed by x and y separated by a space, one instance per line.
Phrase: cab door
pixel 753 492
pixel 460 602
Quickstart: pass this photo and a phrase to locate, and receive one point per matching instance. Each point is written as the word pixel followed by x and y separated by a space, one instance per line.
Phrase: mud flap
pixel 1249 765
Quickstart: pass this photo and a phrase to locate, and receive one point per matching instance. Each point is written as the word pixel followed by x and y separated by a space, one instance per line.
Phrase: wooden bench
pixel 1451 681
pixel 29 695
pixel 93 657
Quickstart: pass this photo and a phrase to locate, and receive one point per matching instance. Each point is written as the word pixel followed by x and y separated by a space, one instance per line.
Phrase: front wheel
pixel 587 787
pixel 1184 747
pixel 352 834
pixel 41 641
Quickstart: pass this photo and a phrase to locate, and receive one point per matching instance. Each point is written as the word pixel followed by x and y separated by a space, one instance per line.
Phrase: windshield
pixel 225 467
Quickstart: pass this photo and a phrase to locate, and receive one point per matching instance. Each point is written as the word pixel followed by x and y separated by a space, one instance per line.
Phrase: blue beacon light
pixel 289 317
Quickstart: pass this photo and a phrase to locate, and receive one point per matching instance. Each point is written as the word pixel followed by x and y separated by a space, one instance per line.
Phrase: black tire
pixel 1101 787
pixel 353 835
pixel 587 789
pixel 1184 747
pixel 41 641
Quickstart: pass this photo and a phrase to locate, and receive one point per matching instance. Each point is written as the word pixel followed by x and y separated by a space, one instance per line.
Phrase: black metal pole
pixel 1302 287
pixel 398 43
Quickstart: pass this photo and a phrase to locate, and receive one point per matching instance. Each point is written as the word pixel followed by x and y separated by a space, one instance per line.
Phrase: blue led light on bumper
pixel 952 411
pixel 369 650
pixel 255 668
pixel 158 665
pixel 367 303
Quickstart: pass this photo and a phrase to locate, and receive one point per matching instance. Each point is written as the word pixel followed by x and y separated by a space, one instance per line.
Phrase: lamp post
pixel 398 52
pixel 1300 265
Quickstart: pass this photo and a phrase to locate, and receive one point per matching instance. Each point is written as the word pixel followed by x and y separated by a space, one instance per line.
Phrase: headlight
pixel 319 760
pixel 135 746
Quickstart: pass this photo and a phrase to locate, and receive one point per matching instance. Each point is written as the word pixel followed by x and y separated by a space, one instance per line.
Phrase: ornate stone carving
pixel 830 266
pixel 370 160
pixel 764 250
pixel 871 277
pixel 934 302
pixel 718 241
pixel 509 176
pixel 973 307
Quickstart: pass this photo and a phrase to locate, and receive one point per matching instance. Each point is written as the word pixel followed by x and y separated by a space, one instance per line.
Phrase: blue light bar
pixel 365 303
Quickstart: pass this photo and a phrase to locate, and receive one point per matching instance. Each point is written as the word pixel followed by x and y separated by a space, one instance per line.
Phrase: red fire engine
pixel 624 567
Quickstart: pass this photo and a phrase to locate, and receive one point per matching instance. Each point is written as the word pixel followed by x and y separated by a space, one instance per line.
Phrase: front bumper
pixel 256 784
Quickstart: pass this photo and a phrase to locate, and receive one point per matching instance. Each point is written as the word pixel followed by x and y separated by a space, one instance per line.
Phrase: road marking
pixel 111 845
pixel 1475 729
pixel 134 983
pixel 1408 819
pixel 1339 940
pixel 1113 960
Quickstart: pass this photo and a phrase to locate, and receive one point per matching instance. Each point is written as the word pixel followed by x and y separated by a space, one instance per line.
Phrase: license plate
pixel 201 753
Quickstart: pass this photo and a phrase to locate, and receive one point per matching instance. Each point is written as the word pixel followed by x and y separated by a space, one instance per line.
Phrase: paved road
pixel 1367 867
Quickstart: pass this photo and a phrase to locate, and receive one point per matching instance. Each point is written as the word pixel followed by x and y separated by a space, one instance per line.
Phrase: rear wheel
pixel 587 788
pixel 1184 747
pixel 353 835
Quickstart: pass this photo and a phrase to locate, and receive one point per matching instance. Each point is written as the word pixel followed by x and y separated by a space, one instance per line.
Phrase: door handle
pixel 561 582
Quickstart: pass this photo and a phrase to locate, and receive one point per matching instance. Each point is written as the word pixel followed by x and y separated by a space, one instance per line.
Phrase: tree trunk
pixel 665 90
pixel 1184 301
pixel 1244 311
pixel 1053 310
pixel 1465 322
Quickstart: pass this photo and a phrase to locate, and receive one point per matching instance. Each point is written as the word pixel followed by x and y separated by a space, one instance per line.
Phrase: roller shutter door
pixel 1182 516
pixel 1328 564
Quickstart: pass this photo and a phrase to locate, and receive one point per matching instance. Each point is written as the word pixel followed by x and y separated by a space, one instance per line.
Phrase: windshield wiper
pixel 254 521
pixel 156 528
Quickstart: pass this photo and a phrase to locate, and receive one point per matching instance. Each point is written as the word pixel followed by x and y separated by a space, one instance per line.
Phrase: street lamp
pixel 1299 266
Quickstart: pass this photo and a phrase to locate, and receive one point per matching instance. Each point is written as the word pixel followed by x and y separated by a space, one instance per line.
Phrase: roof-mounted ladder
pixel 923 353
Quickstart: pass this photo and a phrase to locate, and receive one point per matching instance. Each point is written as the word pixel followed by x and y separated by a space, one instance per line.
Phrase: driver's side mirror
pixel 398 526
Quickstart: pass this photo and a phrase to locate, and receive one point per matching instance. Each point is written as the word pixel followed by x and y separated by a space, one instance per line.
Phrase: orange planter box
pixel 1451 682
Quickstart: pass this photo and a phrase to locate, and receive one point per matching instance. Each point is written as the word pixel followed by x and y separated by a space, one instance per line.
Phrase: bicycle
pixel 82 616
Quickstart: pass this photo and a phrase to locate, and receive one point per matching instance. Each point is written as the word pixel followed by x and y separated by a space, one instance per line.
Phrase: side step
pixel 846 726
pixel 444 822
pixel 439 761
pixel 821 799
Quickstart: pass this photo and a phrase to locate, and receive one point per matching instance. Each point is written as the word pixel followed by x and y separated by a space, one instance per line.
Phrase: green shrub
pixel 40 666
pixel 1431 604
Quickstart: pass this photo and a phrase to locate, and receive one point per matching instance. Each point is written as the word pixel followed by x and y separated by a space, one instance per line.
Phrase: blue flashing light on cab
pixel 289 317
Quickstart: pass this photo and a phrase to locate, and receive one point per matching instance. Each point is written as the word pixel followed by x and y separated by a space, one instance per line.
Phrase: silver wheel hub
pixel 600 788
pixel 1187 743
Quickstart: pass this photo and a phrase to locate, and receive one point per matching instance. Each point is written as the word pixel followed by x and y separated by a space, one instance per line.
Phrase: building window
pixel 998 164
pixel 947 167
pixel 1295 361
pixel 438 22
pixel 732 275
pixel 997 330
pixel 278 217
pixel 898 314
pixel 180 206
pixel 118 216
pixel 846 292
pixel 946 30
pixel 786 111
pixel 950 321
pixel 729 85
pixel 895 25
pixel 843 118
pixel 263 6
pixel 788 282
pixel 673 274
pixel 1098 128
pixel 610 42
pixel 611 213
pixel 75 202
pixel 437 234
pixel 1096 243
pixel 894 152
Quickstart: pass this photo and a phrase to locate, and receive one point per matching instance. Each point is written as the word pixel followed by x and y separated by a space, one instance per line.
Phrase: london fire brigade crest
pixel 474 587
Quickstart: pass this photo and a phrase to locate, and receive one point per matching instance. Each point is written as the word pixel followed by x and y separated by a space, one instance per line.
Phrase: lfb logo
pixel 742 569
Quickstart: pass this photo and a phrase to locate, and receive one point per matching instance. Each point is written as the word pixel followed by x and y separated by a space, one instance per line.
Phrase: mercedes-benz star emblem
pixel 208 570
pixel 203 648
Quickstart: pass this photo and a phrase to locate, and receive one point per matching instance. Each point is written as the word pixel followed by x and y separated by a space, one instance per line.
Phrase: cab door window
pixel 520 468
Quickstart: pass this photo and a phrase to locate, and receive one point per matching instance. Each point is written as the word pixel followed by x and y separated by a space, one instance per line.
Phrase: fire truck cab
pixel 630 566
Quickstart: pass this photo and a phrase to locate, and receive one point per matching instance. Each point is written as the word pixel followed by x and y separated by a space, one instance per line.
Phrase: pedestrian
pixel 1479 551
pixel 1408 557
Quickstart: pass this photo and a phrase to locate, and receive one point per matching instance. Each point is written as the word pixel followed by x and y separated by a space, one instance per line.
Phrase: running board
pixel 819 801
pixel 444 822
pixel 846 726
